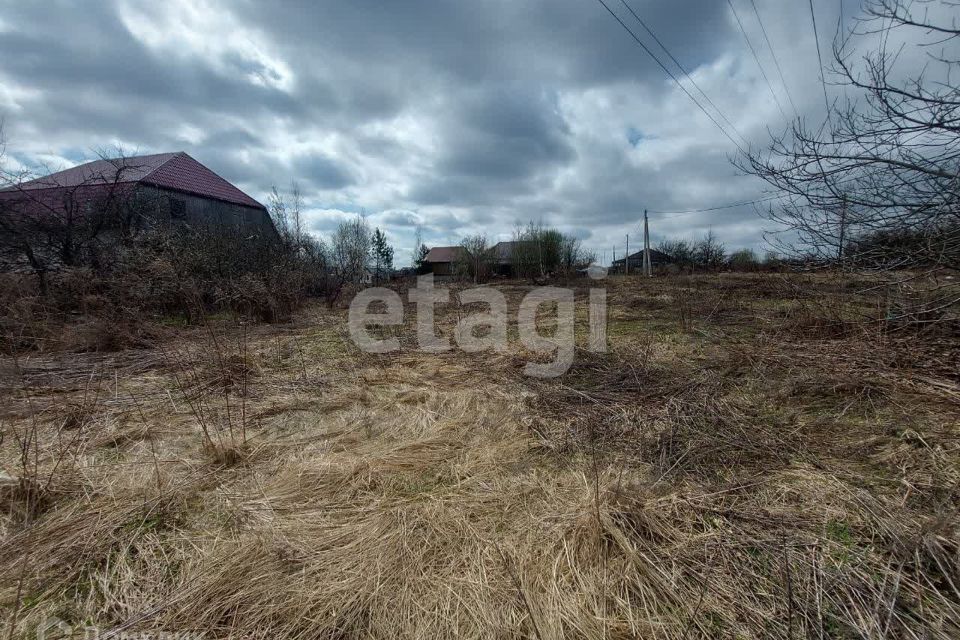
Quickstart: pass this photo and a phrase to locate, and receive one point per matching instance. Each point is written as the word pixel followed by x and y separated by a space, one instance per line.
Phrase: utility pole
pixel 614 263
pixel 626 261
pixel 843 226
pixel 647 270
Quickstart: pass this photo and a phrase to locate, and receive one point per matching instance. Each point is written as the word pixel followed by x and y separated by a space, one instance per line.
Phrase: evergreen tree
pixel 382 255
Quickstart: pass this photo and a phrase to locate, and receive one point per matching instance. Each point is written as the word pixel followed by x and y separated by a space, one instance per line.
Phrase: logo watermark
pixel 486 330
pixel 56 629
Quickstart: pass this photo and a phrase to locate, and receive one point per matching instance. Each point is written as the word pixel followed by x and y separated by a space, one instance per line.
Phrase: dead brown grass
pixel 718 474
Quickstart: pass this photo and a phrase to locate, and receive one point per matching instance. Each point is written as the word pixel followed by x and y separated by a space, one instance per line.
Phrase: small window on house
pixel 178 208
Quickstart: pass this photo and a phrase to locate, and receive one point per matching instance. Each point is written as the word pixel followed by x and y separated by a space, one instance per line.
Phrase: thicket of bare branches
pixel 352 245
pixel 105 248
pixel 877 184
pixel 540 251
pixel 301 255
pixel 102 253
pixel 63 226
pixel 705 254
pixel 476 259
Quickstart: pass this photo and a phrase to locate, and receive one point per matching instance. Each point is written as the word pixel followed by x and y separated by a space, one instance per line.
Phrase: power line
pixel 672 76
pixel 669 215
pixel 730 205
pixel 681 67
pixel 742 203
pixel 776 62
pixel 757 58
pixel 816 40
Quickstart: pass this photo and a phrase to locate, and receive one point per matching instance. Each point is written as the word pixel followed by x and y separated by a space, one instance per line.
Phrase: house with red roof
pixel 155 189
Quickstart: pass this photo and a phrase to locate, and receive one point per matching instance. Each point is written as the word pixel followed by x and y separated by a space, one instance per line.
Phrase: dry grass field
pixel 756 456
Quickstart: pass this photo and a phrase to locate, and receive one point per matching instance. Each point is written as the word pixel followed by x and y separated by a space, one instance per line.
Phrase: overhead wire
pixel 671 74
pixel 683 70
pixel 776 62
pixel 666 214
pixel 731 205
pixel 767 198
pixel 816 40
pixel 757 58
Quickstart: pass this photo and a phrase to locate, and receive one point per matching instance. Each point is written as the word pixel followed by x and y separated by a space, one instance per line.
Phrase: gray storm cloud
pixel 457 117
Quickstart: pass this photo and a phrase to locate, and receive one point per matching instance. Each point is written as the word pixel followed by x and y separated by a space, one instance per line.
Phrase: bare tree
pixel 886 160
pixel 540 251
pixel 351 250
pixel 420 252
pixel 47 224
pixel 475 259
pixel 680 251
pixel 302 256
pixel 277 206
pixel 573 256
pixel 743 260
pixel 286 211
pixel 708 253
pixel 877 184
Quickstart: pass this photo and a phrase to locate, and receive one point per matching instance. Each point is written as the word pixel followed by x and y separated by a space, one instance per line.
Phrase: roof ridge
pixel 172 155
pixel 187 155
pixel 175 170
pixel 168 175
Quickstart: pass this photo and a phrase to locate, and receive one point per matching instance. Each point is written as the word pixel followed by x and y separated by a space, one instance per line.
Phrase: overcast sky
pixel 457 116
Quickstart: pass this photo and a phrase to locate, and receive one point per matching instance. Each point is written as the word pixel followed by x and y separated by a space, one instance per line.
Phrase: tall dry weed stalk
pixel 203 387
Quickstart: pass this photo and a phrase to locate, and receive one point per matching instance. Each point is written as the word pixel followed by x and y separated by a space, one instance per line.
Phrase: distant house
pixel 503 253
pixel 657 259
pixel 441 260
pixel 160 188
pixel 503 257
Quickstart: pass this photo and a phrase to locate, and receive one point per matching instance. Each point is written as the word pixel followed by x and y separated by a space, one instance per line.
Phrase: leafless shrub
pixel 475 260
pixel 46 455
pixel 215 386
pixel 351 246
